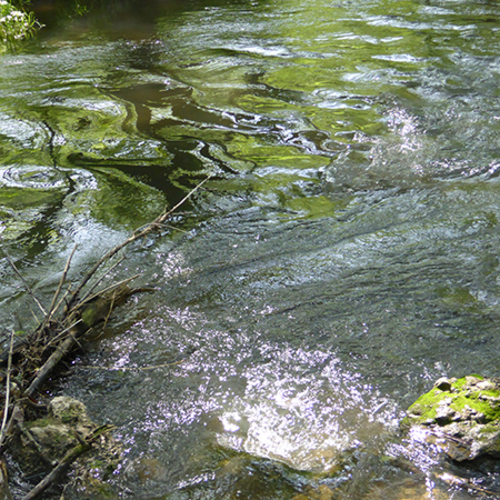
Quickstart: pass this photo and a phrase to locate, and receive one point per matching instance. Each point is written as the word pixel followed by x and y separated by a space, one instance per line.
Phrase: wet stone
pixel 43 443
pixel 444 412
pixel 461 416
pixel 444 384
pixel 486 385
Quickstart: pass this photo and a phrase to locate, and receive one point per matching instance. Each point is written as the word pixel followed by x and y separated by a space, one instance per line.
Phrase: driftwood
pixel 71 315
pixel 83 319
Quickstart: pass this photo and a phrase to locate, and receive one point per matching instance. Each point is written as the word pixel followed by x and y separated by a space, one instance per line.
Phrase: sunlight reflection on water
pixel 301 409
pixel 295 406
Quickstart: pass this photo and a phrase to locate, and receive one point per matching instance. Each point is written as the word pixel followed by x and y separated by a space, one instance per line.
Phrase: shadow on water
pixel 128 18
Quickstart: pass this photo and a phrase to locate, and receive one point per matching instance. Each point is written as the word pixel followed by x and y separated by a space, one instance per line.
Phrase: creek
pixel 342 257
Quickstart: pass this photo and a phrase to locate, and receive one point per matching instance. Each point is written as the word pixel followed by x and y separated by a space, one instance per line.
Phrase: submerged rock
pixel 461 416
pixel 43 443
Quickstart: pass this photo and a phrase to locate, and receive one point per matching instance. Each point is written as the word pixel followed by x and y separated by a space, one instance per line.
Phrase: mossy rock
pixel 462 416
pixel 44 442
pixel 68 410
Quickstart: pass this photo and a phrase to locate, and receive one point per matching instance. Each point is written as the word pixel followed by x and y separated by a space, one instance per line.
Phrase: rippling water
pixel 343 256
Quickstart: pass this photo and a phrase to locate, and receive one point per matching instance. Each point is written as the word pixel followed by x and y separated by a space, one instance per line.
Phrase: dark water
pixel 343 256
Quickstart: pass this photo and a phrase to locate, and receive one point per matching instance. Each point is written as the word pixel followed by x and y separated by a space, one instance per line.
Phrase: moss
pixel 70 415
pixel 42 422
pixel 490 414
pixel 425 406
pixel 461 382
pixel 462 397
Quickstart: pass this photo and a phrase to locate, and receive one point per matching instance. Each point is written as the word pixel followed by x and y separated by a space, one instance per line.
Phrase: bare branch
pixel 7 391
pixel 108 289
pixel 52 308
pixel 94 286
pixel 137 235
pixel 28 288
pixel 61 351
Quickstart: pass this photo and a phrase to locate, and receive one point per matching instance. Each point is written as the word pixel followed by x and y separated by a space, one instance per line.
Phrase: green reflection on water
pixel 119 201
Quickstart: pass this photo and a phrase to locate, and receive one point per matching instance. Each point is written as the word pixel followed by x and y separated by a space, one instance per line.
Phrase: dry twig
pixel 53 307
pixel 3 430
pixel 26 284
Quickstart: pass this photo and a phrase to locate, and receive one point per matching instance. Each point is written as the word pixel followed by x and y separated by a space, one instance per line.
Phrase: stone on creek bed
pixel 461 416
pixel 42 443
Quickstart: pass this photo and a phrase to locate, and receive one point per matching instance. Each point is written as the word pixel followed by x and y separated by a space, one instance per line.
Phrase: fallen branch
pixel 34 357
pixel 90 314
pixel 76 308
pixel 152 226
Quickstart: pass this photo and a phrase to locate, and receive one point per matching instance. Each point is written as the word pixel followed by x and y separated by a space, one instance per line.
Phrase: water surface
pixel 342 257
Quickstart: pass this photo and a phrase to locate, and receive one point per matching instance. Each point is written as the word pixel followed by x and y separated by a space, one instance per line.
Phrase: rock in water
pixel 461 416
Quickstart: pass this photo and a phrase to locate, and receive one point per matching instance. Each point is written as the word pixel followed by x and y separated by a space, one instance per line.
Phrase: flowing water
pixel 343 255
